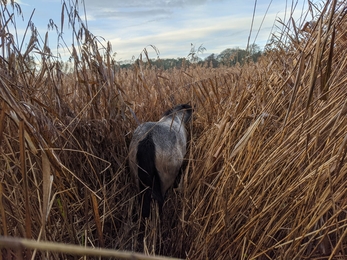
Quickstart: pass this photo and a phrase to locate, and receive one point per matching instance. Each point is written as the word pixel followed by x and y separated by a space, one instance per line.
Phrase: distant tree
pixel 230 57
pixel 254 52
pixel 126 65
pixel 182 62
pixel 211 60
pixel 164 64
pixel 225 56
pixel 254 48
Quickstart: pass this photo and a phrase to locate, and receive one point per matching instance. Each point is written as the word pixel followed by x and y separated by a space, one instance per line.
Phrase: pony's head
pixel 184 111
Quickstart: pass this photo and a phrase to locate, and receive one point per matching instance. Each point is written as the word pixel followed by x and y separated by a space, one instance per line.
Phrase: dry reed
pixel 265 175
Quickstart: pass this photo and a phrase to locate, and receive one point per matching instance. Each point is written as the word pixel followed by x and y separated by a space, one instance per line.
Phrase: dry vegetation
pixel 265 175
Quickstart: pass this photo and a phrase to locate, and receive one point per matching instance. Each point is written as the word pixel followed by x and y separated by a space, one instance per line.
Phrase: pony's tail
pixel 149 181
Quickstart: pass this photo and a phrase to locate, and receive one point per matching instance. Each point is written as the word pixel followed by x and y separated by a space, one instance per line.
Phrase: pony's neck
pixel 176 120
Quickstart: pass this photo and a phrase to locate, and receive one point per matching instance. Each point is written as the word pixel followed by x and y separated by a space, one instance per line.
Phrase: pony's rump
pixel 149 180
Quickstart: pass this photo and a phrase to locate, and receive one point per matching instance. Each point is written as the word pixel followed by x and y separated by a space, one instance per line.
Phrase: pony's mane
pixel 178 108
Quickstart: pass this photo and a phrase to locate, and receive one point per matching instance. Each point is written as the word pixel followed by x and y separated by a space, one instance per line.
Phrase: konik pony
pixel 156 155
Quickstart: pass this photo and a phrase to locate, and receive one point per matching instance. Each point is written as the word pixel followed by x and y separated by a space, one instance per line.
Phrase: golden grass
pixel 265 175
pixel 19 244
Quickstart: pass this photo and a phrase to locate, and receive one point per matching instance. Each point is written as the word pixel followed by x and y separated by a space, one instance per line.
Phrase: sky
pixel 169 25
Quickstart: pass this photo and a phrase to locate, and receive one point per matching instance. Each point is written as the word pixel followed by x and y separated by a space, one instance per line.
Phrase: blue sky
pixel 170 25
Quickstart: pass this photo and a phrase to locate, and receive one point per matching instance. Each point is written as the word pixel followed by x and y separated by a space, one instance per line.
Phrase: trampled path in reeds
pixel 265 174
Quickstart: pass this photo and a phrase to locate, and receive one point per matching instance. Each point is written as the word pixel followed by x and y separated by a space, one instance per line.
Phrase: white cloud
pixel 215 34
pixel 148 3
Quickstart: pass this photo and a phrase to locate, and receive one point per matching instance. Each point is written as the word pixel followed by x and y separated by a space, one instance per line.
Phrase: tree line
pixel 228 57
